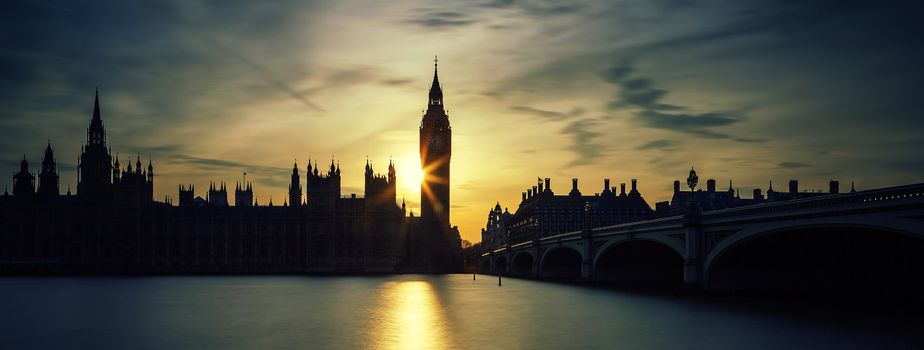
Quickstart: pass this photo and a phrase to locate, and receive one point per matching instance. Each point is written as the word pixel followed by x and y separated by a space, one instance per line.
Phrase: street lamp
pixel 692 180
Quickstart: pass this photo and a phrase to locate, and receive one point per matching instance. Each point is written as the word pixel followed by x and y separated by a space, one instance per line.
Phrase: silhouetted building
pixel 432 240
pixel 711 199
pixel 218 195
pixel 243 195
pixel 24 183
pixel 542 213
pixel 494 234
pixel 48 190
pixel 295 188
pixel 114 225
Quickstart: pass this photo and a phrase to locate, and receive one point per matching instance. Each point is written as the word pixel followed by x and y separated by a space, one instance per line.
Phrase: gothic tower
pixel 435 151
pixel 94 176
pixel 48 178
pixel 24 182
pixel 295 188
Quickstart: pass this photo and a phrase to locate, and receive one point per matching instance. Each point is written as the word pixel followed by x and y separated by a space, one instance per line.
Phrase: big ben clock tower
pixel 435 150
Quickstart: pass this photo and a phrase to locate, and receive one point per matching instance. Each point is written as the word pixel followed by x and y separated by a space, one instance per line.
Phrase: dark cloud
pixel 397 82
pixel 792 165
pixel 666 145
pixel 686 122
pixel 440 19
pixel 639 94
pixel 536 8
pixel 583 141
pixel 206 163
pixel 548 115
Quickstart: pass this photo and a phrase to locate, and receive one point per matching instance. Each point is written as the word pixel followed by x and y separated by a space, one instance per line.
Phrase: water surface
pixel 416 311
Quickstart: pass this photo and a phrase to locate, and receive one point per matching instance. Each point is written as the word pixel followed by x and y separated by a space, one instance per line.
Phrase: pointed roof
pixel 436 92
pixel 49 154
pixel 96 114
pixel 96 123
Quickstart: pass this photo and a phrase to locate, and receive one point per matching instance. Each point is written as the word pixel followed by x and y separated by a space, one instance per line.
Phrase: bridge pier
pixel 587 262
pixel 693 264
pixel 536 257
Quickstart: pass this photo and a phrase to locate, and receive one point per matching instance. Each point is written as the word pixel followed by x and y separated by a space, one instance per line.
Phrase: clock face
pixel 436 142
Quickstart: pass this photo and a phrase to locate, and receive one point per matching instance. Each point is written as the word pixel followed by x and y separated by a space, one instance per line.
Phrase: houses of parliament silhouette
pixel 113 224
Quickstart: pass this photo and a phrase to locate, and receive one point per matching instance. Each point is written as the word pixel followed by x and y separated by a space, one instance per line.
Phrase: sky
pixel 747 91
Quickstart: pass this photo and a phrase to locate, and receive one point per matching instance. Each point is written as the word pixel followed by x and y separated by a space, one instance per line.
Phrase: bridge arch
pixel 500 265
pixel 639 261
pixel 522 264
pixel 838 255
pixel 486 265
pixel 561 262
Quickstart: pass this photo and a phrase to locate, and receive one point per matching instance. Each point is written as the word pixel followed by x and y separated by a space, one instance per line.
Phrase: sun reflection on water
pixel 408 315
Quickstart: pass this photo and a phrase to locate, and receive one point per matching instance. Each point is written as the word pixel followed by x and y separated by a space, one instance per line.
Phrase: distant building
pixel 542 213
pixel 114 225
pixel 711 199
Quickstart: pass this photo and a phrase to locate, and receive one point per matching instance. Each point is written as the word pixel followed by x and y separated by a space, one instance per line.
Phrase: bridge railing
pixel 869 198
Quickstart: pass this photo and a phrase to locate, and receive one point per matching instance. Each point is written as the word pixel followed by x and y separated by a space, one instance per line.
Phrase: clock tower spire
pixel 435 151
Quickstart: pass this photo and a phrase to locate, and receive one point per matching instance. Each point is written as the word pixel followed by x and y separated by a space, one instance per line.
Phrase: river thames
pixel 419 312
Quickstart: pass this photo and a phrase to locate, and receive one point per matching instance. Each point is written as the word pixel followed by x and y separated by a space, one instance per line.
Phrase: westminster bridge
pixel 870 239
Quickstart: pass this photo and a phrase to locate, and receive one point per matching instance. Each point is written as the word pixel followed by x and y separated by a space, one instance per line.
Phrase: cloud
pixel 640 95
pixel 583 141
pixel 792 165
pixel 536 8
pixel 397 82
pixel 548 115
pixel 206 163
pixel 440 19
pixel 666 145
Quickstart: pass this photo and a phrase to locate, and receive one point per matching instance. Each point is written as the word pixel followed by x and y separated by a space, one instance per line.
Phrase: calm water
pixel 405 312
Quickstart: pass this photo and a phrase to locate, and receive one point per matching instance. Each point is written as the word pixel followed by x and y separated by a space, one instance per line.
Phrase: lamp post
pixel 693 235
pixel 692 180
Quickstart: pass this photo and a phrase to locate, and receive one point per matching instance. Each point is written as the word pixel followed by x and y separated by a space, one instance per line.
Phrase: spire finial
pixel 436 61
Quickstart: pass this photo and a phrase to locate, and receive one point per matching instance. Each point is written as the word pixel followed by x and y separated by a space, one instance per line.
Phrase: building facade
pixel 114 225
pixel 542 213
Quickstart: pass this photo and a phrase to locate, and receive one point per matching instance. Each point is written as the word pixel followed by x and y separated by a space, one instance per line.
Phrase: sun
pixel 410 174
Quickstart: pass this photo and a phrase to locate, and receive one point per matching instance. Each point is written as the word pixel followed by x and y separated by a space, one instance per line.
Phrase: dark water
pixel 426 312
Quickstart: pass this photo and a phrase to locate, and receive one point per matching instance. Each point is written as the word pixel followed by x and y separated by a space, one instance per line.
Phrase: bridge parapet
pixel 870 199
pixel 884 197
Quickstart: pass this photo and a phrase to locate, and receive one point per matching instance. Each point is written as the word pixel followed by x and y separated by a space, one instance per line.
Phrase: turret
pixel 116 168
pixel 295 187
pixel 48 178
pixel 24 181
pixel 392 173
